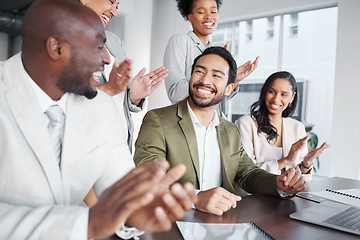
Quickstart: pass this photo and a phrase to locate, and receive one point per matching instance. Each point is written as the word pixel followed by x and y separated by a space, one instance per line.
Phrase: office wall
pixel 137 38
pixel 167 21
pixel 344 162
pixel 241 9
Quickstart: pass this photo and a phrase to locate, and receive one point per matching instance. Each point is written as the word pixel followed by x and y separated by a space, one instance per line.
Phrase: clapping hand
pixel 169 204
pixel 310 156
pixel 291 158
pixel 142 199
pixel 119 78
pixel 143 85
pixel 244 70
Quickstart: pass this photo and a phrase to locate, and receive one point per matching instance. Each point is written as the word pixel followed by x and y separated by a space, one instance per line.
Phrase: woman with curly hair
pixel 272 139
pixel 182 49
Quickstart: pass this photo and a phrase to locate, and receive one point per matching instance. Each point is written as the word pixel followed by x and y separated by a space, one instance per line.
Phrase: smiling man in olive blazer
pixel 170 133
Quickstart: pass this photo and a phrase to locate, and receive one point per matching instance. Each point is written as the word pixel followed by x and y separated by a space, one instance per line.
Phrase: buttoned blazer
pixel 37 199
pixel 168 133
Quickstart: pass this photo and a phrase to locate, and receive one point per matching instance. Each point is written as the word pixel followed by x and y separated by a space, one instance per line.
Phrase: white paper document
pixel 220 231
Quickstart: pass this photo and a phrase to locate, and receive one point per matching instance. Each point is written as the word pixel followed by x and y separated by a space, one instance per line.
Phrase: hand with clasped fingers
pixel 216 201
pixel 142 199
pixel 291 181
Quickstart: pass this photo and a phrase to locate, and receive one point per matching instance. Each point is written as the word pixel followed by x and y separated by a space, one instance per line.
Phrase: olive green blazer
pixel 168 133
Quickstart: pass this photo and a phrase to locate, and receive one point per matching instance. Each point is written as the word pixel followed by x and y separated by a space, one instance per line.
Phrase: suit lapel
pixel 197 41
pixel 187 128
pixel 75 132
pixel 285 143
pixel 27 113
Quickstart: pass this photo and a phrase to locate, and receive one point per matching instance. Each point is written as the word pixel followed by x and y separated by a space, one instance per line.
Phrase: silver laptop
pixel 333 215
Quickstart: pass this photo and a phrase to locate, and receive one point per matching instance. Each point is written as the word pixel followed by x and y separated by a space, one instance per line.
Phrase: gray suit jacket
pixel 117 48
pixel 37 199
pixel 168 133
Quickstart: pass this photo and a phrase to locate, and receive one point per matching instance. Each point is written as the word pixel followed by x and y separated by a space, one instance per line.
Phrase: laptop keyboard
pixel 349 218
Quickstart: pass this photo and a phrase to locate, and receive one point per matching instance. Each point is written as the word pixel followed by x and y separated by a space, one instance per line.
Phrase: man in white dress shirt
pixel 41 191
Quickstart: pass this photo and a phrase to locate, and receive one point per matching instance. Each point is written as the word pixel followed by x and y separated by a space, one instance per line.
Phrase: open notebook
pixel 221 231
pixel 346 196
pixel 337 209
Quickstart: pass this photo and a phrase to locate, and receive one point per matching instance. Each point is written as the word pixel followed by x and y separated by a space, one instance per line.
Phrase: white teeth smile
pixel 96 76
pixel 204 91
pixel 275 106
pixel 208 24
pixel 97 73
pixel 106 18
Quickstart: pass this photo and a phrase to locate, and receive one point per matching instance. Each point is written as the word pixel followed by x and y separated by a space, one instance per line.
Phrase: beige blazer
pixel 263 153
pixel 168 133
pixel 37 199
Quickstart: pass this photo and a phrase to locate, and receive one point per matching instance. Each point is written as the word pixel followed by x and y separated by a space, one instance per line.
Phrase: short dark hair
pixel 259 111
pixel 226 55
pixel 185 7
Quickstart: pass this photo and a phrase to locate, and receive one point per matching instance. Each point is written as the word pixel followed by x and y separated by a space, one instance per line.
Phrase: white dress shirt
pixel 45 101
pixel 209 152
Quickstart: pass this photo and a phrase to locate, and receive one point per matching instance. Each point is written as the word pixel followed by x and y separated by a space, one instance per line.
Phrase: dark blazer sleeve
pixel 250 177
pixel 253 179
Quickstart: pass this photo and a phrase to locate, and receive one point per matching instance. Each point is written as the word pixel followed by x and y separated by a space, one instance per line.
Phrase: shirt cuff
pixel 284 194
pixel 128 232
pixel 196 193
pixel 80 228
pixel 132 107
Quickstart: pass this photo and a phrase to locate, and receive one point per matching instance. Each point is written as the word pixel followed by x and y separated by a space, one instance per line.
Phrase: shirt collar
pixel 214 122
pixel 196 40
pixel 44 100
